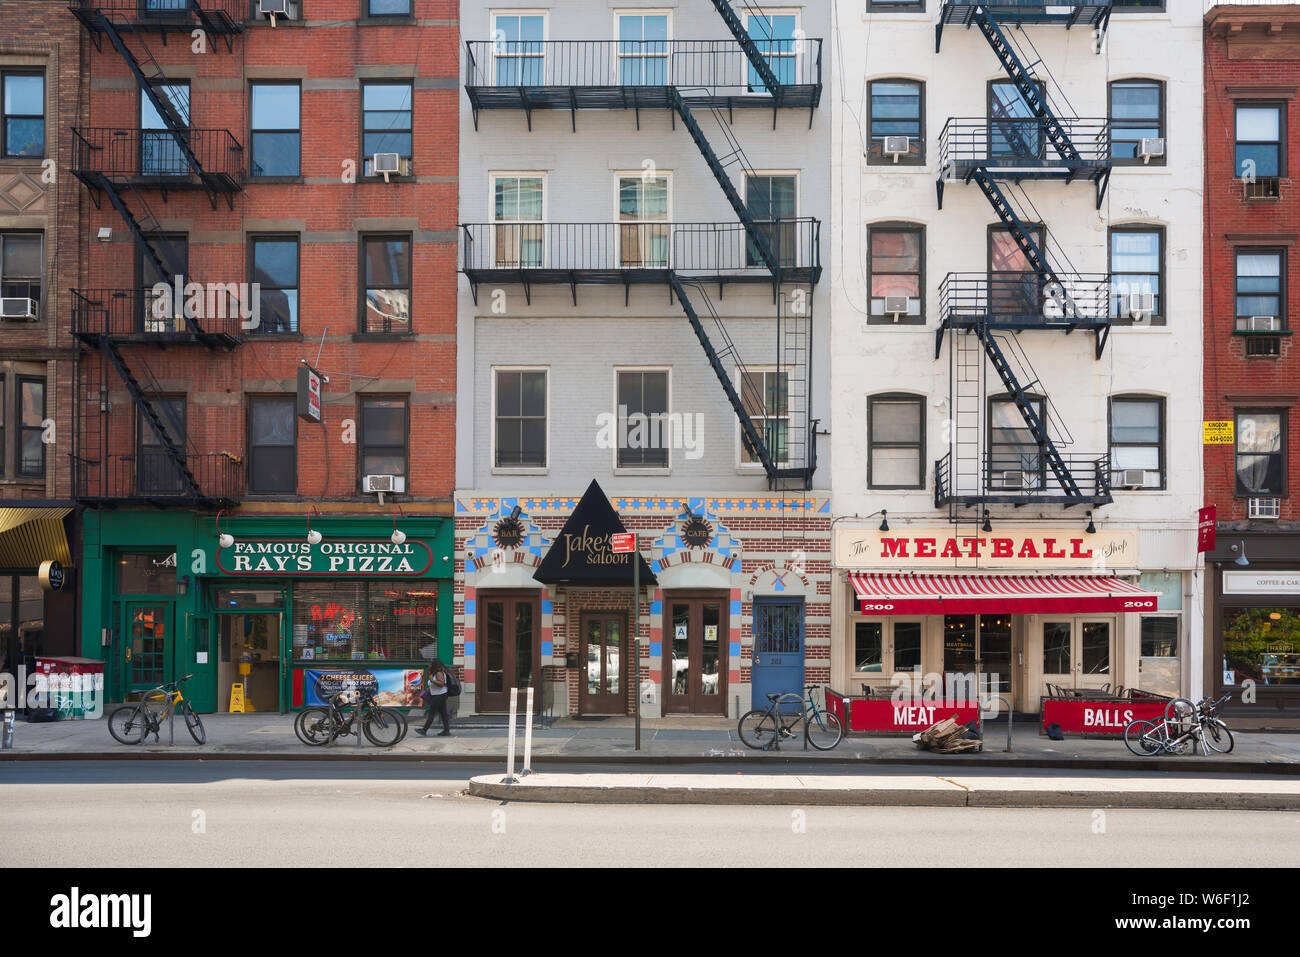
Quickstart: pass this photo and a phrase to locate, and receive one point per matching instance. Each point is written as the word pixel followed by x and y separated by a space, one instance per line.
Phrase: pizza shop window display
pixel 364 621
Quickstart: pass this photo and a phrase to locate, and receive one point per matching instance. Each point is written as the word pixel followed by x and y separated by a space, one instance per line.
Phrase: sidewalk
pixel 684 740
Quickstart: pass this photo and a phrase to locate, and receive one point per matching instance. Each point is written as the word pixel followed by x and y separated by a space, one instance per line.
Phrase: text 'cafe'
pixel 1035 613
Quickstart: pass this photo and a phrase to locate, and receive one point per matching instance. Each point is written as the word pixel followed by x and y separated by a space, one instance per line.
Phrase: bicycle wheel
pixel 1141 737
pixel 1217 736
pixel 823 730
pixel 757 729
pixel 195 724
pixel 402 722
pixel 380 727
pixel 314 726
pixel 127 724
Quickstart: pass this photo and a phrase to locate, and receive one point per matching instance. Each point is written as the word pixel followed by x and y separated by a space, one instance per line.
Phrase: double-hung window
pixel 385 121
pixel 766 395
pixel 22 95
pixel 1260 305
pixel 386 284
pixel 21 267
pixel 896 110
pixel 1137 440
pixel 517 216
pixel 644 426
pixel 272 444
pixel 275 271
pixel 896 441
pixel 160 150
pixel 519 48
pixel 31 427
pixel 276 130
pixel 520 402
pixel 1136 113
pixel 896 274
pixel 773 201
pixel 1260 465
pixel 1260 129
pixel 776 34
pixel 1015 458
pixel 642 49
pixel 156 470
pixel 643 222
pixel 385 431
pixel 1136 268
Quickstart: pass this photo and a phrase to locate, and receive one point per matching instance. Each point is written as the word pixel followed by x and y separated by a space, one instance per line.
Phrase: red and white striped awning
pixel 881 594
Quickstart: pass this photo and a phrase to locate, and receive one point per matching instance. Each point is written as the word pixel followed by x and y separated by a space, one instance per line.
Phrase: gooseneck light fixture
pixel 398 536
pixel 313 536
pixel 1241 559
pixel 224 539
pixel 1091 529
pixel 884 518
pixel 987 526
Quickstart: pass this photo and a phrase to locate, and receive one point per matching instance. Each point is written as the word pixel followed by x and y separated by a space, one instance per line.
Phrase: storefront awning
pixel 29 536
pixel 1016 594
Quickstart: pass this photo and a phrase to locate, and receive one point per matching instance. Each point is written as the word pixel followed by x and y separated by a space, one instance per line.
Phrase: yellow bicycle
pixel 132 723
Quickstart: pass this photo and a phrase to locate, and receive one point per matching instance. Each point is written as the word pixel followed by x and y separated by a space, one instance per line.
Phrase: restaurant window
pixel 329 620
pixel 518 45
pixel 148 573
pixel 22 94
pixel 642 49
pixel 386 112
pixel 31 428
pixel 642 419
pixel 385 429
pixel 1260 132
pixel 520 402
pixel 907 645
pixel 1136 269
pixel 1259 289
pixel 1137 112
pixel 1159 636
pixel 276 130
pixel 401 618
pixel 869 646
pixel 1262 645
pixel 364 620
pixel 275 270
pixel 1137 440
pixel 896 441
pixel 386 289
pixel 896 274
pixel 22 262
pixel 766 395
pixel 1259 455
pixel 897 109
pixel 272 444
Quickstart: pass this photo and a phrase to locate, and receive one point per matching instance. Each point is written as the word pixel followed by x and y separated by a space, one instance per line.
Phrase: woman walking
pixel 435 699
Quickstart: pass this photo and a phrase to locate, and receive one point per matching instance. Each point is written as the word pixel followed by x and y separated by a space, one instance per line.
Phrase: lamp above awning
pixel 1015 594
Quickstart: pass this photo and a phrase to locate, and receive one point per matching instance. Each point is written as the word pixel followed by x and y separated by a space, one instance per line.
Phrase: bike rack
pixel 1010 716
pixel 798 698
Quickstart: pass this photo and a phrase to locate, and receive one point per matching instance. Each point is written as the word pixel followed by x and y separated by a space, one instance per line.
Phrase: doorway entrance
pixel 149 647
pixel 509 626
pixel 778 650
pixel 602 689
pixel 695 646
pixel 980 644
pixel 253 639
pixel 1078 653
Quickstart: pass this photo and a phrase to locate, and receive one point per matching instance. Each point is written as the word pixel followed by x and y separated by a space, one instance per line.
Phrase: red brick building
pixel 1252 367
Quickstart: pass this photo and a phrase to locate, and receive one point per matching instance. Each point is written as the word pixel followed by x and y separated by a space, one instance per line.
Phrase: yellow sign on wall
pixel 1218 433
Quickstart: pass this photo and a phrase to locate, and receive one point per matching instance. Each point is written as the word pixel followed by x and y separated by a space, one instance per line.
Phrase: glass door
pixel 602 689
pixel 1077 654
pixel 695 655
pixel 1094 655
pixel 510 627
pixel 149 646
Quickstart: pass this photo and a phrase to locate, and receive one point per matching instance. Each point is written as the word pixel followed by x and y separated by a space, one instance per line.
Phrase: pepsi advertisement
pixel 393 687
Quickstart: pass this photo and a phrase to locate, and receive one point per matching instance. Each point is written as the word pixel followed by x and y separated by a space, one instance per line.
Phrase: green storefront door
pixel 149 646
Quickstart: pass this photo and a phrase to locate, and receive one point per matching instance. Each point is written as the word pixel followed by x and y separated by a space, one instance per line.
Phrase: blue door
pixel 778 649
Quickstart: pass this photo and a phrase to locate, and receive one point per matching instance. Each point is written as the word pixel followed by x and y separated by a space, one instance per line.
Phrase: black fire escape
pixel 698 79
pixel 122 165
pixel 1025 139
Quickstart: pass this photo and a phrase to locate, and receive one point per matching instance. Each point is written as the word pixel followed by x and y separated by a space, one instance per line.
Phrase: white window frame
pixel 492 424
pixel 667 57
pixel 518 12
pixel 667 223
pixel 493 176
pixel 640 469
pixel 798 199
pixel 741 465
pixel 798 54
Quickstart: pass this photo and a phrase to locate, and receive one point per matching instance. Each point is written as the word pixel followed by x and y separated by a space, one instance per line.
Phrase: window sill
pixel 253 336
pixel 887 321
pixel 395 20
pixel 637 471
pixel 903 166
pixel 1248 333
pixel 382 336
pixel 250 180
pixel 22 160
pixel 520 471
pixel 1138 165
pixel 280 22
pixel 392 178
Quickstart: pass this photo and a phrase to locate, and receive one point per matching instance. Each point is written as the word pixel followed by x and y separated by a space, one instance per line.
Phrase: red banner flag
pixel 1205 528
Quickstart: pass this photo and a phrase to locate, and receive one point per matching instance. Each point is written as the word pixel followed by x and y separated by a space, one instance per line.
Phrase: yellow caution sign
pixel 1217 433
pixel 237 705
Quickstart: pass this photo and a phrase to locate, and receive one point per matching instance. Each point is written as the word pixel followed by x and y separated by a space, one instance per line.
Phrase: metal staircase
pixel 747 45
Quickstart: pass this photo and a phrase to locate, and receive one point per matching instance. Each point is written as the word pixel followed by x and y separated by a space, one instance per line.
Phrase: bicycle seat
pixel 772 696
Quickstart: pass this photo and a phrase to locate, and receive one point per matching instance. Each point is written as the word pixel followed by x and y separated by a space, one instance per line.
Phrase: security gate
pixel 778 649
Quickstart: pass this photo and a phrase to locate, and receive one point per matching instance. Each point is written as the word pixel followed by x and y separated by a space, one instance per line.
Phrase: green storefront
pixel 271 610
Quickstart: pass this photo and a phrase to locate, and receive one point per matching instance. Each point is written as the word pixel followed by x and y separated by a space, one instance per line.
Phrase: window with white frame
pixel 643 221
pixel 773 200
pixel 766 396
pixel 776 33
pixel 519 401
pixel 644 433
pixel 519 47
pixel 517 210
pixel 1137 448
pixel 643 47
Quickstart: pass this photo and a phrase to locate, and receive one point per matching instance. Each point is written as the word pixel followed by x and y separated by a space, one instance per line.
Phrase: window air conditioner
pixel 386 164
pixel 1137 305
pixel 1017 479
pixel 384 483
pixel 1263 324
pixel 1133 478
pixel 275 8
pixel 897 146
pixel 19 309
pixel 1149 147
pixel 898 305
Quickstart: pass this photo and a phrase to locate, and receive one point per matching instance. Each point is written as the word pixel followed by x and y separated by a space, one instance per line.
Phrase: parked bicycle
pixel 382 727
pixel 763 730
pixel 132 723
pixel 1183 724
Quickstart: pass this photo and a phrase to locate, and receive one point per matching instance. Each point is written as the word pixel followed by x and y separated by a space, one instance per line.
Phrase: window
pixel 1138 5
pixel 386 278
pixel 1015 288
pixel 519 49
pixel 897 271
pixel 773 203
pixel 643 222
pixel 1259 286
pixel 1260 132
pixel 173 251
pixel 1015 458
pixel 642 49
pixel 23 98
pixel 1260 467
pixel 1262 645
pixel 1014 130
pixel 520 400
pixel 1137 111
pixel 774 35
pixel 156 471
pixel 1159 636
pixel 517 212
pixel 907 645
pixel 22 266
pixel 385 121
pixel 351 620
pixel 31 415
pixel 1137 439
pixel 160 150
pixel 644 431
pixel 895 6
pixel 388 8
pixel 3 382
pixel 897 109
pixel 869 646
pixel 275 270
pixel 1137 264
pixel 276 130
pixel 766 394
pixel 896 441
pixel 272 444
pixel 385 428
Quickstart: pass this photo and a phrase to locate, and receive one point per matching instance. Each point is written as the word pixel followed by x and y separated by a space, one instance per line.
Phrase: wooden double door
pixel 695 652
pixel 605 652
pixel 509 653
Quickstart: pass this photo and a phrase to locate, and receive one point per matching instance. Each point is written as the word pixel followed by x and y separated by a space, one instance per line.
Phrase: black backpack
pixel 453 683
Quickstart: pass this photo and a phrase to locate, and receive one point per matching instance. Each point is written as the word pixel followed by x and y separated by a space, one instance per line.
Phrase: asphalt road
pixel 169 814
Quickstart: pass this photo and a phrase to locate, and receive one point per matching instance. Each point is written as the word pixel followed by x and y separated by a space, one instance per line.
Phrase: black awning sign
pixel 583 552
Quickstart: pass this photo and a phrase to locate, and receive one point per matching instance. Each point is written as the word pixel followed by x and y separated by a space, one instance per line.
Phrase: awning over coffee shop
pixel 29 536
pixel 582 552
pixel 884 594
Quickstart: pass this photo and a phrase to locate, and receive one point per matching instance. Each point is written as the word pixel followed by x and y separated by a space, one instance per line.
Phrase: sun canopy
pixel 1017 594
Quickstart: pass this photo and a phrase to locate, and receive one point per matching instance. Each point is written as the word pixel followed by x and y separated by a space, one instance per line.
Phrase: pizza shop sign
pixel 338 558
pixel 1012 548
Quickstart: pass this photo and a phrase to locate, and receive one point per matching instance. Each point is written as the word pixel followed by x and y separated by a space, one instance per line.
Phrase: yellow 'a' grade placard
pixel 1217 433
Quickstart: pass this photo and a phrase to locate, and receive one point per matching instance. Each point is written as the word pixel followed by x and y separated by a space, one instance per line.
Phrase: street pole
pixel 636 637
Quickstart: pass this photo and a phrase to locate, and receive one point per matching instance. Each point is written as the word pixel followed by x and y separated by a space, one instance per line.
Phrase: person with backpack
pixel 437 693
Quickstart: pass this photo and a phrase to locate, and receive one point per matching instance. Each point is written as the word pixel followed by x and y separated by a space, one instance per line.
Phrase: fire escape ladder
pixel 752 53
pixel 138 394
pixel 1026 83
pixel 1007 213
pixel 1018 395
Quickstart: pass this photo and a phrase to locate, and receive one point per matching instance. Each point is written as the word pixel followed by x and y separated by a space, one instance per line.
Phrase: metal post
pixel 636 638
pixel 1010 714
pixel 528 737
pixel 171 722
pixel 7 734
pixel 510 737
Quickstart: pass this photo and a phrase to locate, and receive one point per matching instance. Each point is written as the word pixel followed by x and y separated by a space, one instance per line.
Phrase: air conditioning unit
pixel 1149 147
pixel 898 305
pixel 1133 478
pixel 275 8
pixel 1138 306
pixel 1018 479
pixel 1263 324
pixel 19 309
pixel 1262 187
pixel 389 164
pixel 1264 508
pixel 384 483
pixel 897 146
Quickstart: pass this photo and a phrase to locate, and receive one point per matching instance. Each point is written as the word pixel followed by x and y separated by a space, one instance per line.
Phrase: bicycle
pixel 763 730
pixel 382 727
pixel 1183 723
pixel 132 723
